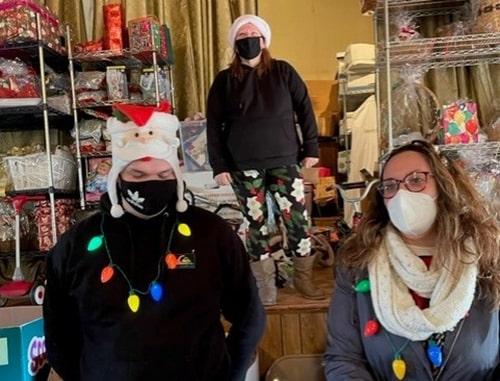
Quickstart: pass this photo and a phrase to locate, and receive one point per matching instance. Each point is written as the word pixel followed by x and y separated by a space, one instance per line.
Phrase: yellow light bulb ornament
pixel 399 368
pixel 133 302
pixel 184 229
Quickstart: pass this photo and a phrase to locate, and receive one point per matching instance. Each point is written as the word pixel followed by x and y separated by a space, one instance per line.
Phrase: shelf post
pixel 387 39
pixel 75 117
pixel 46 128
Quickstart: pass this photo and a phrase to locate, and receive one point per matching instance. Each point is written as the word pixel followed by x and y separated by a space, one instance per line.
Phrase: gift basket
pixel 415 110
pixel 7 228
pixel 30 171
pixel 18 24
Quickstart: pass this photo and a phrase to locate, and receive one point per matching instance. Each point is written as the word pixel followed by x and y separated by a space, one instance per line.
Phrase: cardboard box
pixel 23 356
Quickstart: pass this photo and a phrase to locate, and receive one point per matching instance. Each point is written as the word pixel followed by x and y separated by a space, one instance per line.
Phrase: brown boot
pixel 302 278
pixel 265 276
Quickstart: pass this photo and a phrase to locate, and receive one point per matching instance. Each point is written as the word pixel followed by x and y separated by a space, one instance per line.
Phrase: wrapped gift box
pixel 64 214
pixel 18 24
pixel 144 34
pixel 113 27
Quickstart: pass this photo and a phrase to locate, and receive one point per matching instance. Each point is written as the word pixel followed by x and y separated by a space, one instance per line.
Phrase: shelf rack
pixel 422 8
pixel 14 118
pixel 445 52
pixel 490 150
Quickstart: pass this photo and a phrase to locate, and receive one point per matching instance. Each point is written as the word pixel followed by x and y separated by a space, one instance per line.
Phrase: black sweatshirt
pixel 91 334
pixel 250 122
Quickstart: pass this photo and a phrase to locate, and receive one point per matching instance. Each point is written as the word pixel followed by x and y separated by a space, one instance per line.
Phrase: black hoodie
pixel 91 334
pixel 250 122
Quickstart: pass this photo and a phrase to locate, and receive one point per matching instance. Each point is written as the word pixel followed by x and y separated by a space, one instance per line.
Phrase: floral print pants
pixel 286 186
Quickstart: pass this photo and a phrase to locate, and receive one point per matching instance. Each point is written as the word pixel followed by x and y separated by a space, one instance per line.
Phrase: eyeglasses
pixel 414 182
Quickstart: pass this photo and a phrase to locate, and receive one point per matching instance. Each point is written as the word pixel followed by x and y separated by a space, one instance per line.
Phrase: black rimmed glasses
pixel 414 182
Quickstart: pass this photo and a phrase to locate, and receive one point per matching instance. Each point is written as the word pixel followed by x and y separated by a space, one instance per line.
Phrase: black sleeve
pixel 217 150
pixel 305 115
pixel 241 305
pixel 62 326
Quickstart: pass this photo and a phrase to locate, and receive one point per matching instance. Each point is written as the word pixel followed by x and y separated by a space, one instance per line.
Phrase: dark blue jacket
pixel 473 355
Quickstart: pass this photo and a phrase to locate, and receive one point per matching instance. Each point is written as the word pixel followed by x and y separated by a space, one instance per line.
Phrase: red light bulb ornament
pixel 371 328
pixel 171 261
pixel 107 273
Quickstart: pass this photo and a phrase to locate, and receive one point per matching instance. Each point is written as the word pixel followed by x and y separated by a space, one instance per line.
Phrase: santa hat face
pixel 150 133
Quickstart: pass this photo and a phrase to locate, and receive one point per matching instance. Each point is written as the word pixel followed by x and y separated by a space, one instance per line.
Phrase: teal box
pixel 23 356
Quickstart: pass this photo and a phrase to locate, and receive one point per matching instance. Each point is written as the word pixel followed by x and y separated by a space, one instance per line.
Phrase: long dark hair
pixel 264 66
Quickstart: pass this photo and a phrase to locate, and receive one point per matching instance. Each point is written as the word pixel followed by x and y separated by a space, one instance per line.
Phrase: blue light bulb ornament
pixel 435 354
pixel 156 291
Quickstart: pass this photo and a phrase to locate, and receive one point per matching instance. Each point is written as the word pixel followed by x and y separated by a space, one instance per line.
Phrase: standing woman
pixel 254 145
pixel 418 295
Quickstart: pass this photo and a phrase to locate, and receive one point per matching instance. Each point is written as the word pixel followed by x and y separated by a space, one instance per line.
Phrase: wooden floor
pixel 296 325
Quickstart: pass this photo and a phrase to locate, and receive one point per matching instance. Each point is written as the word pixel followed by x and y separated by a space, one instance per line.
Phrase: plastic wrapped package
pixel 90 46
pixel 144 34
pixel 492 128
pixel 147 83
pixel 406 27
pixel 91 135
pixel 8 227
pixel 457 28
pixel 3 178
pixel 116 81
pixel 92 97
pixel 194 145
pixel 18 80
pixel 113 26
pixel 459 123
pixel 89 80
pixel 415 110
pixel 484 169
pixel 18 24
pixel 487 16
pixel 30 171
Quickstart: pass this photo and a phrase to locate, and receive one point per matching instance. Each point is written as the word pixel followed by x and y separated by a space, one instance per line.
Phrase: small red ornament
pixel 107 273
pixel 371 328
pixel 171 261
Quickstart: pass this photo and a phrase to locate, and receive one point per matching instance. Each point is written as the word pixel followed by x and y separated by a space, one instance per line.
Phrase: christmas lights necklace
pixel 154 289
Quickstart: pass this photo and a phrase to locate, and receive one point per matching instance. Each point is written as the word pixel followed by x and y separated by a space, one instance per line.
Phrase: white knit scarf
pixel 395 270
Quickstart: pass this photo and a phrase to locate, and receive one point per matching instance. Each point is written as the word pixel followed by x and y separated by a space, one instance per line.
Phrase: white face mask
pixel 413 214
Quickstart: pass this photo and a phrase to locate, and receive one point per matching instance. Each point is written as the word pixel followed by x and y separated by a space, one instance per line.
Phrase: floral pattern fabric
pixel 287 189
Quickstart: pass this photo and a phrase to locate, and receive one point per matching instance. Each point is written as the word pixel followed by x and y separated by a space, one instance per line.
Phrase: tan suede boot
pixel 265 276
pixel 302 278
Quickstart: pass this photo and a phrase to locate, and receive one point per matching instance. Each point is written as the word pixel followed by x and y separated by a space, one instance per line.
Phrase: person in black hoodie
pixel 136 291
pixel 254 145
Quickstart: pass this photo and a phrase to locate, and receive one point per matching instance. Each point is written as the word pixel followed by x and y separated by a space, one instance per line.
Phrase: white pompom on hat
pixel 257 21
pixel 150 132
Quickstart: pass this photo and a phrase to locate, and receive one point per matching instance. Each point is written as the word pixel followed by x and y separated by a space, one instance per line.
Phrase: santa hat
pixel 149 132
pixel 256 21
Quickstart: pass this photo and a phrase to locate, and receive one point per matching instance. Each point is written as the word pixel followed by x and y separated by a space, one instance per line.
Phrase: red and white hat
pixel 148 132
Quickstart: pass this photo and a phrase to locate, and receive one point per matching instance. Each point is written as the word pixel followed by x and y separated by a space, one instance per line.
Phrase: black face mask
pixel 249 47
pixel 149 197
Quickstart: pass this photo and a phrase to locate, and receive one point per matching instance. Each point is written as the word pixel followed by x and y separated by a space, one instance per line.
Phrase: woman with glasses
pixel 418 287
pixel 254 145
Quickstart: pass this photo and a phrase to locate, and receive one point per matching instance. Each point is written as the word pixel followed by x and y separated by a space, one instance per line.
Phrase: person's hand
pixel 308 162
pixel 223 178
